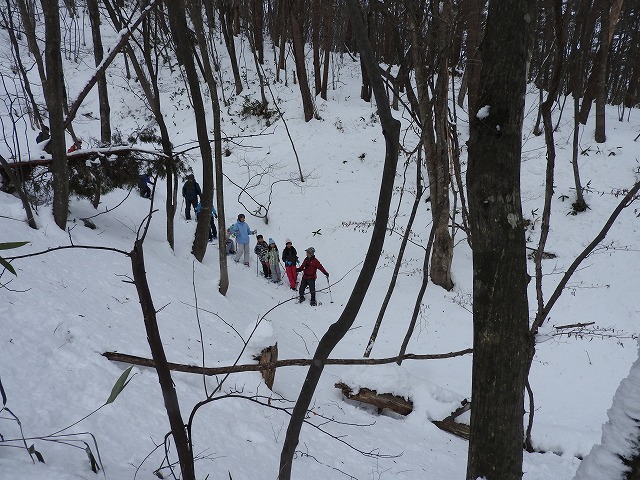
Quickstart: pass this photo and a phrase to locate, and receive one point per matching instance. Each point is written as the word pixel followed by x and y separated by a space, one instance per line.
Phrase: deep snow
pixel 65 308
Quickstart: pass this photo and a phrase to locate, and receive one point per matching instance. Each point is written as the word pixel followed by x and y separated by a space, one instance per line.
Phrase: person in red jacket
pixel 308 268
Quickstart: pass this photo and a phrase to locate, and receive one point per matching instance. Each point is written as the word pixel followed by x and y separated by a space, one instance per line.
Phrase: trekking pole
pixel 257 262
pixel 182 208
pixel 329 285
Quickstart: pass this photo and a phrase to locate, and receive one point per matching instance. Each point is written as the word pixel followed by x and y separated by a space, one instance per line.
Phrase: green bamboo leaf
pixel 10 245
pixel 8 266
pixel 119 385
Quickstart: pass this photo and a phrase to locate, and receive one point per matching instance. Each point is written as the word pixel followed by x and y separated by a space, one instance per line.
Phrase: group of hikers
pixel 269 257
pixel 267 252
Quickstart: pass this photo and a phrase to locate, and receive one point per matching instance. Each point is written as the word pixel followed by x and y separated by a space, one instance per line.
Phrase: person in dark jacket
pixel 192 195
pixel 262 250
pixel 44 136
pixel 290 260
pixel 144 181
pixel 308 268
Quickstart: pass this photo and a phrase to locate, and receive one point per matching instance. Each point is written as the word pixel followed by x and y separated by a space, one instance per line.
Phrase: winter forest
pixel 467 171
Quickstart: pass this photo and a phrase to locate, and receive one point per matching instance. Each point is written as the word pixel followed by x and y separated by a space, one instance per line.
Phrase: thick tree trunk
pixel 298 53
pixel 391 131
pixel 439 179
pixel 500 308
pixel 258 27
pixel 53 93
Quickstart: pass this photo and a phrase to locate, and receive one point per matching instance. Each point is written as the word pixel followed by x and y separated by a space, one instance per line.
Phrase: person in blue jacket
pixel 213 231
pixel 242 231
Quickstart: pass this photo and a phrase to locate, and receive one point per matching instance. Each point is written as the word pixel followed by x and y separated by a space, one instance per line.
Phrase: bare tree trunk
pixel 601 95
pixel 580 205
pixel 53 93
pixel 327 37
pixel 315 45
pixel 178 25
pixel 439 179
pixel 298 52
pixel 501 339
pixel 258 26
pixel 224 9
pixel 103 93
pixel 391 131
pixel 183 445
pixel 217 145
pixel 396 268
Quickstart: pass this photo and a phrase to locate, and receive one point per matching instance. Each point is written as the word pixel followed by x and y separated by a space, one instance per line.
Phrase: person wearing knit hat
pixel 308 268
pixel 290 260
pixel 274 262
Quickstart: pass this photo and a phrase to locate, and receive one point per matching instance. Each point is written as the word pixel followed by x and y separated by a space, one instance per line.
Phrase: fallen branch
pixel 296 362
pixel 574 325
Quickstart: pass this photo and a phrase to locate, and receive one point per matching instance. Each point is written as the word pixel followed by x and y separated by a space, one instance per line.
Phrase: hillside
pixel 65 308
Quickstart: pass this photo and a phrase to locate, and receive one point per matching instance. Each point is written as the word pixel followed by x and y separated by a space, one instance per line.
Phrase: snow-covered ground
pixel 67 307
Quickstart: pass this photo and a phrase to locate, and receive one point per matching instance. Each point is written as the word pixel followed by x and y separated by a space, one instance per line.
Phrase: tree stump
pixel 268 355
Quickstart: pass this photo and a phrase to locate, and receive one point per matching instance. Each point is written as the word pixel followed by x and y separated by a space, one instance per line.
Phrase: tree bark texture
pixel 52 86
pixel 391 131
pixel 500 308
pixel 439 163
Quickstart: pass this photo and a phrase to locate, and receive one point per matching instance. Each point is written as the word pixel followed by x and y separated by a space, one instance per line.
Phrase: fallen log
pixel 392 402
pixel 299 362
pixel 404 406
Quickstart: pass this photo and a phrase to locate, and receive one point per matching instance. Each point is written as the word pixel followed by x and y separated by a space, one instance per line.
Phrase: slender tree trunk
pixel 53 93
pixel 315 45
pixel 501 339
pixel 225 25
pixel 298 53
pixel 103 93
pixel 601 95
pixel 327 37
pixel 183 447
pixel 396 268
pixel 217 146
pixel 391 131
pixel 178 25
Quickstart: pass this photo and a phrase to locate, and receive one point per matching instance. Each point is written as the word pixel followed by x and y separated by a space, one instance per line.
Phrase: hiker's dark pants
pixel 311 282
pixel 187 207
pixel 266 269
